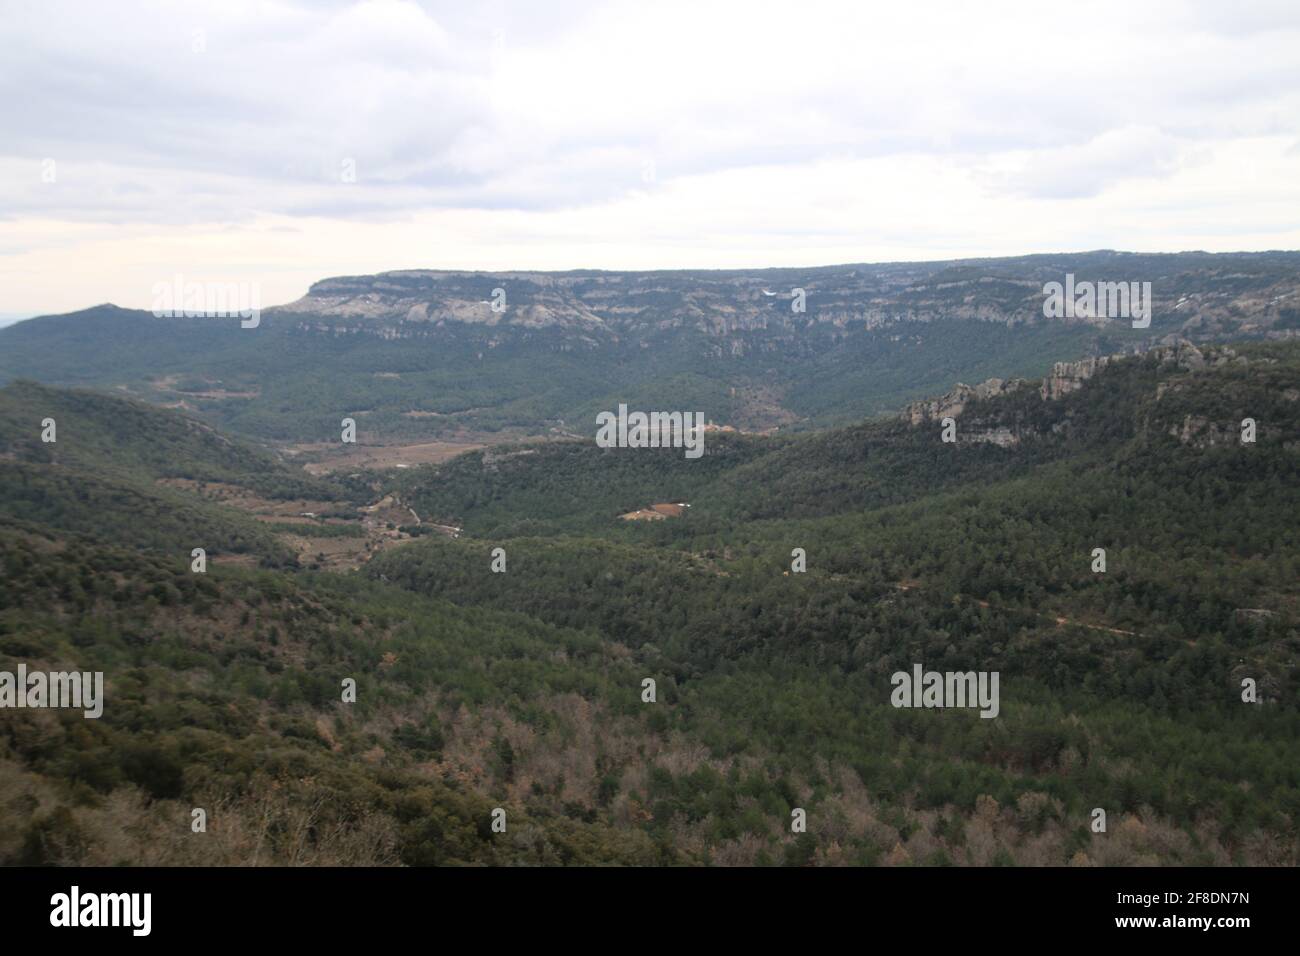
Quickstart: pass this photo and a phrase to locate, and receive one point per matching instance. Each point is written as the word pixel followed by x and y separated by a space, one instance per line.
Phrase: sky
pixel 277 143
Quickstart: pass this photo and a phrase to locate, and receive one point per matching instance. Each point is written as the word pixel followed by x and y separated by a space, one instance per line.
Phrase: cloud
pixel 590 122
pixel 1083 170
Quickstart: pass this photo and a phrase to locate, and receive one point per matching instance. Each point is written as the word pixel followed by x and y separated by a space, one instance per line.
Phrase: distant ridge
pixel 453 354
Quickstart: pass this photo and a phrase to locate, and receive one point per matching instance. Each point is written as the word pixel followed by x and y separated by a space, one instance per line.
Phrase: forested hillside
pixel 223 694
pixel 117 468
pixel 515 679
pixel 962 556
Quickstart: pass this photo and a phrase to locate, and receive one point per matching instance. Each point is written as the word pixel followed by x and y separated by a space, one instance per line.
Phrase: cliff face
pixel 629 303
pixel 1066 377
pixel 1069 377
pixel 1182 365
pixel 952 404
pixel 1192 294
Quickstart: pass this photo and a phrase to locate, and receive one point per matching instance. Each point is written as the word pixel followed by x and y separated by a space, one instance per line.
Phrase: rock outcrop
pixel 952 404
pixel 1067 377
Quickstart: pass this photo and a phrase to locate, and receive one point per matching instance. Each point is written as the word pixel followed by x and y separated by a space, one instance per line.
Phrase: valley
pixel 420 359
pixel 522 689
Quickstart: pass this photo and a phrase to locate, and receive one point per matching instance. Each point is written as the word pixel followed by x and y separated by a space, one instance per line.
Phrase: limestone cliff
pixel 952 404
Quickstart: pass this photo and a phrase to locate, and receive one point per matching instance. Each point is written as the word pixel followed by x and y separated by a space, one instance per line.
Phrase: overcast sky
pixel 140 140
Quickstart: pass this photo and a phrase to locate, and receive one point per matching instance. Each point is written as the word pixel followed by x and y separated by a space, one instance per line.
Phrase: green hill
pixel 523 690
pixel 121 469
pixel 961 556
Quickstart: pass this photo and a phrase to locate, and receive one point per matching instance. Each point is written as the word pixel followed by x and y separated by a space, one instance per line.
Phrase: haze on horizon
pixel 221 141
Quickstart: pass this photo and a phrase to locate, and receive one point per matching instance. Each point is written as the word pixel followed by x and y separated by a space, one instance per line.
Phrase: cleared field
pixel 374 529
pixel 326 458
pixel 323 458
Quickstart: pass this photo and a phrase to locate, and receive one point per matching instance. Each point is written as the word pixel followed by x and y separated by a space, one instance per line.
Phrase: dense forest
pixel 522 687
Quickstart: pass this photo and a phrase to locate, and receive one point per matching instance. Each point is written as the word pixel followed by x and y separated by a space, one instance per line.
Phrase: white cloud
pixel 513 134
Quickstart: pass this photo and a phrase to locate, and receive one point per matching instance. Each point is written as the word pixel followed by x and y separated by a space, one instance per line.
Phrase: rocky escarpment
pixel 954 403
pixel 717 303
pixel 1067 377
pixel 1177 409
pixel 1177 354
pixel 1197 294
pixel 1198 431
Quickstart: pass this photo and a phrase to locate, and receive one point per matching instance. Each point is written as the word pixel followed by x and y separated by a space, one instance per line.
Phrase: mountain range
pixel 423 355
